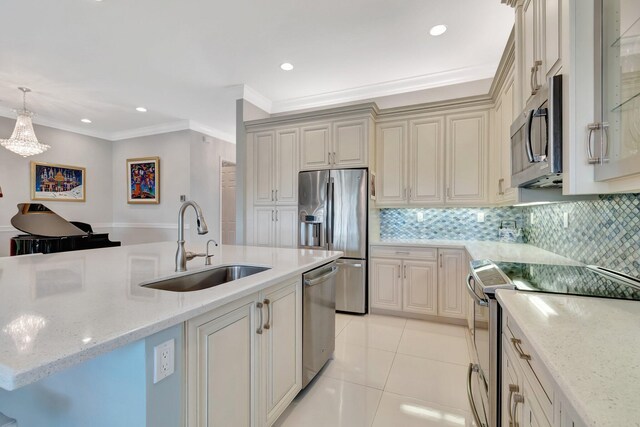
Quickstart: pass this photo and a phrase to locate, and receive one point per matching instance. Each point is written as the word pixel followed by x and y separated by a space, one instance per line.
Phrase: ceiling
pixel 187 61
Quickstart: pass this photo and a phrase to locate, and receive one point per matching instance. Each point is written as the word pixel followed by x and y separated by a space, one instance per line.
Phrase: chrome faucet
pixel 182 256
pixel 207 260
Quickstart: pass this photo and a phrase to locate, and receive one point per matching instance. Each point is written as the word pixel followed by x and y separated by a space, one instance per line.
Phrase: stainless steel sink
pixel 205 279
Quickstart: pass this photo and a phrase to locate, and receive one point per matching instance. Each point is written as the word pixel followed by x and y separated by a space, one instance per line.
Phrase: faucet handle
pixel 191 255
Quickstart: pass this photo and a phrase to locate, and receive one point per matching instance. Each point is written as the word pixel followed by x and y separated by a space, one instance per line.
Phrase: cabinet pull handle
pixel 409 193
pixel 517 345
pixel 334 157
pixel 259 307
pixel 500 189
pixel 272 195
pixel 605 142
pixel 590 157
pixel 440 260
pixel 531 84
pixel 276 195
pixel 329 154
pixel 272 215
pixel 276 215
pixel 535 86
pixel 513 410
pixel 405 271
pixel 268 304
pixel 399 272
pixel 404 193
pixel 513 388
pixel 402 253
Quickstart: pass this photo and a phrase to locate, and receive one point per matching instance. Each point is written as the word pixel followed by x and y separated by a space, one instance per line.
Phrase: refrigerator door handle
pixel 330 213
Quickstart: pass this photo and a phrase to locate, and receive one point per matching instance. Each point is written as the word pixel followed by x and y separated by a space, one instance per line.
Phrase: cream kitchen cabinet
pixel 419 281
pixel 500 153
pixel 275 226
pixel 339 144
pixel 276 167
pixel 467 158
pixel 452 294
pixel 538 28
pixel 244 360
pixel 433 161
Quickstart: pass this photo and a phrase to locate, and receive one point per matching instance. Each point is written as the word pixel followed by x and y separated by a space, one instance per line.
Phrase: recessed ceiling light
pixel 85 120
pixel 286 66
pixel 438 30
pixel 141 109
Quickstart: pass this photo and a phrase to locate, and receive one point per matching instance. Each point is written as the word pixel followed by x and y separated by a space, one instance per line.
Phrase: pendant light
pixel 23 140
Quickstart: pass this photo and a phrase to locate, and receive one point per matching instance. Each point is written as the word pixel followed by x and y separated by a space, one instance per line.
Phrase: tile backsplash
pixel 446 223
pixel 605 231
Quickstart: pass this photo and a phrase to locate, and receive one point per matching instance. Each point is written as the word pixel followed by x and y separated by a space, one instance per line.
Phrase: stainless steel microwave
pixel 536 140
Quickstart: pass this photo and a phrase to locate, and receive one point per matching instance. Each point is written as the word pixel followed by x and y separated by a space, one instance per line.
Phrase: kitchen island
pixel 60 312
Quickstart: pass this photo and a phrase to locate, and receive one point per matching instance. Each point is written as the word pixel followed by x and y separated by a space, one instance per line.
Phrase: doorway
pixel 228 203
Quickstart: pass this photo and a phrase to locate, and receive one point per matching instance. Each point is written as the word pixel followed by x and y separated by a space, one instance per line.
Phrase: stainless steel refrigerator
pixel 332 211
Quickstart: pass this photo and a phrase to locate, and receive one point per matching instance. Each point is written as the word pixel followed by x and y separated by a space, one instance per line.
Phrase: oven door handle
pixel 481 302
pixel 474 409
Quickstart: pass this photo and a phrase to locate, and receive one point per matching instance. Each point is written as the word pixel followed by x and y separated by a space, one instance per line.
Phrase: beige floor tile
pixel 438 328
pixel 373 334
pixel 400 411
pixel 430 380
pixel 361 365
pixel 329 402
pixel 445 348
pixel 342 320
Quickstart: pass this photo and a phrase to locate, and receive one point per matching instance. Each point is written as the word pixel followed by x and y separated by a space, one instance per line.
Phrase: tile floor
pixel 388 371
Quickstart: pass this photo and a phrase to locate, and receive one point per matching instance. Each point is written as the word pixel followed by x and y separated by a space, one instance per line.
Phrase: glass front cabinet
pixel 613 141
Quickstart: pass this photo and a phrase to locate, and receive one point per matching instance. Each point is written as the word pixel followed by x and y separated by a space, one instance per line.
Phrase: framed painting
pixel 143 180
pixel 57 182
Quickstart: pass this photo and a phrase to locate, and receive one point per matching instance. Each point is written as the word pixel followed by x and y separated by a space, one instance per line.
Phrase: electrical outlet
pixel 183 198
pixel 566 220
pixel 480 216
pixel 163 360
pixel 532 218
pixel 420 216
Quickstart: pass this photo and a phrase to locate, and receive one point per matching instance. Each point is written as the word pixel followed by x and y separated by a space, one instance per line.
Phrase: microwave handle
pixel 527 143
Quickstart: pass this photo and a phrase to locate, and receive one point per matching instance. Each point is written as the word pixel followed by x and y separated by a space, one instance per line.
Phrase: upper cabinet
pixel 340 144
pixel 539 44
pixel 601 123
pixel 432 161
pixel 275 167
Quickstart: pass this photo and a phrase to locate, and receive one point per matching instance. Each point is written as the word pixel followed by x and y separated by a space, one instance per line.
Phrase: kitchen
pixel 446 179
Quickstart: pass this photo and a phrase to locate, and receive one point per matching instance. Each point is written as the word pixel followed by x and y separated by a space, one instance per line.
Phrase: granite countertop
pixel 495 251
pixel 591 347
pixel 58 310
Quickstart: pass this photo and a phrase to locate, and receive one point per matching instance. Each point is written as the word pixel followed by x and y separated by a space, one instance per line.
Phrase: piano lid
pixel 39 220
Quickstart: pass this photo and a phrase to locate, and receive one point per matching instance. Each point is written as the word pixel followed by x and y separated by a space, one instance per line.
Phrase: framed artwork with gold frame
pixel 143 180
pixel 54 182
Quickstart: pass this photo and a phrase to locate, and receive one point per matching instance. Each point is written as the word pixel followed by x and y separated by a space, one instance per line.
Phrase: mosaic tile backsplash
pixel 448 223
pixel 605 231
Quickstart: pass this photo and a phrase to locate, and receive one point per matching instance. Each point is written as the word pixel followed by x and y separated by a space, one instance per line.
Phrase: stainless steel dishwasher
pixel 318 319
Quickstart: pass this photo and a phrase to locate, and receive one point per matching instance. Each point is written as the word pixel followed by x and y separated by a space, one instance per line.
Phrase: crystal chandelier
pixel 23 140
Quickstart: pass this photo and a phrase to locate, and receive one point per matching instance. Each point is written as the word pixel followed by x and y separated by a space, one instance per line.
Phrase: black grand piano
pixel 47 232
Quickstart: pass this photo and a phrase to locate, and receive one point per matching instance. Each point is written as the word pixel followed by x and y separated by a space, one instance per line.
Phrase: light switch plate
pixel 480 216
pixel 163 360
pixel 566 219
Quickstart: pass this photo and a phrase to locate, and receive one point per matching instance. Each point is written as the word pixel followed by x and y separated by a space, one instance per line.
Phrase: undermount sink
pixel 205 279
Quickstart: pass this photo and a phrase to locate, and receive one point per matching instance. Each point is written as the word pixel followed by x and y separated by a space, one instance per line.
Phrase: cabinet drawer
pixel 532 367
pixel 404 253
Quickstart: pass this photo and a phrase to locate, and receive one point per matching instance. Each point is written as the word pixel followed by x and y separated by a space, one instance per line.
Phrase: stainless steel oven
pixel 536 139
pixel 483 376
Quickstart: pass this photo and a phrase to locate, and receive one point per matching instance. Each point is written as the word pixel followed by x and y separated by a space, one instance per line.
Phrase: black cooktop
pixel 572 280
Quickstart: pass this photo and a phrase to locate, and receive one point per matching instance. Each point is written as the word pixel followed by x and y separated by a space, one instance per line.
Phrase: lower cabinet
pixel 424 281
pixel 244 360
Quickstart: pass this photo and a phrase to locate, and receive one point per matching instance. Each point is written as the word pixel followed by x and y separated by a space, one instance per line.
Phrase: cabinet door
pixel 532 413
pixel 426 161
pixel 286 167
pixel 505 140
pixel 286 227
pixel 511 385
pixel 264 189
pixel 550 27
pixel 452 300
pixel 221 368
pixel 350 143
pixel 390 153
pixel 316 147
pixel 281 349
pixel 420 287
pixel 467 158
pixel 386 284
pixel 528 48
pixel 263 226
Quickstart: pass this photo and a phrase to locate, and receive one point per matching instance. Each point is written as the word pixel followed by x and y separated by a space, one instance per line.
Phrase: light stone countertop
pixel 591 347
pixel 495 251
pixel 58 310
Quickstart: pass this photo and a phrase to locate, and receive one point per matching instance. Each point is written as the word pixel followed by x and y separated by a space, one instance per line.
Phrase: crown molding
pixel 214 133
pixel 369 108
pixel 504 67
pixel 257 99
pixel 394 87
pixel 54 124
